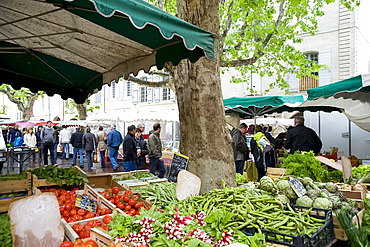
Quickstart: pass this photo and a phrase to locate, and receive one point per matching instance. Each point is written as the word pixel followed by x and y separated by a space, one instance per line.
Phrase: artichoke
pixel 331 187
pixel 267 184
pixel 304 201
pixel 322 203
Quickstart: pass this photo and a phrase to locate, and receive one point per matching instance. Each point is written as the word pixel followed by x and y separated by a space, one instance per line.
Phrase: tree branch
pixel 13 99
pixel 242 34
pixel 259 53
pixel 228 25
pixel 163 84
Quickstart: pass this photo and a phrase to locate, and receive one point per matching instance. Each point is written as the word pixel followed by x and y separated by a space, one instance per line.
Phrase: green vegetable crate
pixel 14 186
pixel 323 237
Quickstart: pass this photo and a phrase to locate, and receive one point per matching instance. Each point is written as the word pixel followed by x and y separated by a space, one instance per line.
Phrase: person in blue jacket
pixel 114 141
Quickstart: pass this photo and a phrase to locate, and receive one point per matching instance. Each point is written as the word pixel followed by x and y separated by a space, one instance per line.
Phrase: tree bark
pixel 81 110
pixel 28 109
pixel 204 135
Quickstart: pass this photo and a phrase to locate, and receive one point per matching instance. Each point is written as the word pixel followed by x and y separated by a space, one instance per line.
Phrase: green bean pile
pixel 163 193
pixel 251 209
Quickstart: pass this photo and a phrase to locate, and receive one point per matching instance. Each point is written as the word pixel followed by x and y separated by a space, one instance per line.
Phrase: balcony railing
pixel 307 83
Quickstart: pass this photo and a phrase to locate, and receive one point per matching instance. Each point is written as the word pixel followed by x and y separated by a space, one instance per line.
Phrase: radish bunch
pixel 138 238
pixel 175 227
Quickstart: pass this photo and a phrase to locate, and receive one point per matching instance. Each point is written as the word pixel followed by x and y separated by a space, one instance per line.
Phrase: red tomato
pixel 77 228
pixel 137 205
pixel 103 210
pixel 132 211
pixel 120 205
pixel 127 207
pixel 128 193
pixel 131 202
pixel 89 215
pixel 115 190
pixel 61 210
pixel 112 201
pixel 67 244
pixel 68 206
pixel 73 212
pixel 108 211
pixel 66 213
pixel 87 226
pixel 135 198
pixel 125 199
pixel 92 243
pixel 107 196
pixel 85 233
pixel 81 212
pixel 107 219
pixel 78 241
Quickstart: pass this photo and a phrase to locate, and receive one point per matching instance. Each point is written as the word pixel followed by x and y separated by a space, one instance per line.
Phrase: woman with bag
pixel 262 146
pixel 101 138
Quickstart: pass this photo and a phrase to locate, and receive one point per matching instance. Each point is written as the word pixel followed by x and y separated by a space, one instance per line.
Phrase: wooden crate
pixel 36 182
pixel 121 175
pixel 338 229
pixel 159 180
pixel 139 171
pixel 275 173
pixel 13 186
pixel 71 235
pixel 104 181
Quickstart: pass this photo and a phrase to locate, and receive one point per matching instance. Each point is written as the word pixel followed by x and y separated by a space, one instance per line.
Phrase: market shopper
pixel 56 142
pixel 114 141
pixel 262 147
pixel 89 145
pixel 240 148
pixel 64 138
pixel 142 128
pixel 40 146
pixel 76 141
pixel 30 141
pixel 48 139
pixel 142 150
pixel 302 138
pixel 155 151
pixel 129 150
pixel 13 134
pixel 101 138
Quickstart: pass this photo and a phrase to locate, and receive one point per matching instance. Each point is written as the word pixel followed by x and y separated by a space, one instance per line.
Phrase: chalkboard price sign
pixel 179 162
pixel 297 187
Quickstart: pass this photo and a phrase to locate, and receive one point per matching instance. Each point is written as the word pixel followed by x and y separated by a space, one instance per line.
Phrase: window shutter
pixel 135 93
pixel 293 82
pixel 157 94
pixel 325 74
pixel 150 94
pixel 98 97
pixel 172 95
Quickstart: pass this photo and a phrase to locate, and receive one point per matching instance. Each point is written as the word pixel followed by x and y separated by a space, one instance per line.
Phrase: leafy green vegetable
pixel 54 174
pixel 5 232
pixel 12 195
pixel 304 164
pixel 239 178
pixel 13 177
pixel 143 175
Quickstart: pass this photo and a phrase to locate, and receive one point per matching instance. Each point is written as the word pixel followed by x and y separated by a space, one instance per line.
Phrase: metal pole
pixel 49 106
pixel 349 138
pixel 319 122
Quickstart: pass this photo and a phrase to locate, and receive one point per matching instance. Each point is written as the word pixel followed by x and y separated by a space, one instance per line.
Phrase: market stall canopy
pixel 352 96
pixel 261 105
pixel 74 47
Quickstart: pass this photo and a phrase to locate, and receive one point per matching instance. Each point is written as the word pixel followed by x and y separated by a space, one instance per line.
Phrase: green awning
pixel 84 44
pixel 261 105
pixel 358 83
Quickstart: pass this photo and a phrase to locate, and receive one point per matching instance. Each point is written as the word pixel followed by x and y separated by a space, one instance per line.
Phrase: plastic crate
pixel 323 237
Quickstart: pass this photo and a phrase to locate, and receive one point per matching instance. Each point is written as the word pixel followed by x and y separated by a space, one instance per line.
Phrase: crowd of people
pixel 46 140
pixel 263 145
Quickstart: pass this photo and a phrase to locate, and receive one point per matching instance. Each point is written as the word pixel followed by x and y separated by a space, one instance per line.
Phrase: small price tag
pixel 84 202
pixel 297 187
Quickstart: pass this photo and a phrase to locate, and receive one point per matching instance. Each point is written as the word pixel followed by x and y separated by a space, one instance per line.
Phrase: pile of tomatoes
pixel 68 210
pixel 127 202
pixel 79 243
pixel 84 231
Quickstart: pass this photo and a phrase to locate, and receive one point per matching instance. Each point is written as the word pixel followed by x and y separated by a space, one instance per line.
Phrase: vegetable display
pixel 163 193
pixel 239 178
pixel 83 231
pixel 361 171
pixel 79 243
pixel 54 174
pixel 5 233
pixel 304 164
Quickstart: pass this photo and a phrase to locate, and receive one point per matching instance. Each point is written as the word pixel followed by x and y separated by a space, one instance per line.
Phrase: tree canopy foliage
pixel 258 36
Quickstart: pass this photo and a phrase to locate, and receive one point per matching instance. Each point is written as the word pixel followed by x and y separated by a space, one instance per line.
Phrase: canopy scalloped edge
pixel 189 47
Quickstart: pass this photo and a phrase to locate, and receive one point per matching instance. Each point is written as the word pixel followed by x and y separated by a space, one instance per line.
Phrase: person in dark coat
pixel 39 145
pixel 142 150
pixel 240 148
pixel 76 141
pixel 129 150
pixel 262 146
pixel 302 138
pixel 89 144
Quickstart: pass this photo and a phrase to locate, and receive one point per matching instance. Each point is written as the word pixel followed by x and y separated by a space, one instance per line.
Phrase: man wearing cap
pixel 114 141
